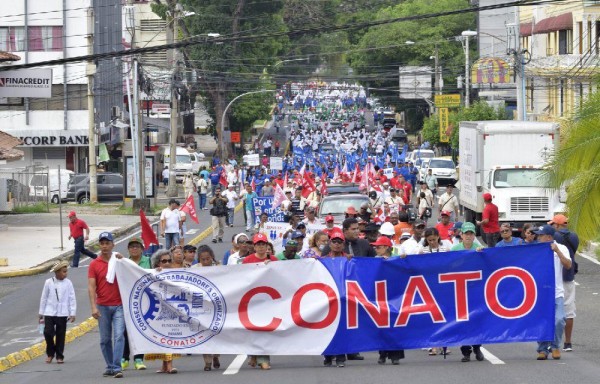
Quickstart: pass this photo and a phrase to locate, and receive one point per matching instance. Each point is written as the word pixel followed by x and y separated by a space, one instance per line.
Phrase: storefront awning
pixel 553 24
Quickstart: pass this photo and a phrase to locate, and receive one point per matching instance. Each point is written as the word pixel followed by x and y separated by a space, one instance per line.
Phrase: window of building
pixel 45 38
pixel 12 39
pixel 565 42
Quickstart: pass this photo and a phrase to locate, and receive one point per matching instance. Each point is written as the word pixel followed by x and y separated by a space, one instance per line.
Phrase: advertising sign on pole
pixel 443 112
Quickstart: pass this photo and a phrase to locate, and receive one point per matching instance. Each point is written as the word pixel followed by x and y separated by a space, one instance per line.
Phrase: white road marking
pixel 490 357
pixel 235 365
pixel 576 283
pixel 191 231
pixel 590 258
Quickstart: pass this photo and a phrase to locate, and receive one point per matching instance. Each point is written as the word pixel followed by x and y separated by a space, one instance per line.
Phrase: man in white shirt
pixel 562 259
pixel 411 246
pixel 202 188
pixel 449 202
pixel 232 199
pixel 170 224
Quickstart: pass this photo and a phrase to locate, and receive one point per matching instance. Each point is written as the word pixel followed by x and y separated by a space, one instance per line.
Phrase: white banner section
pixel 280 308
pixel 276 231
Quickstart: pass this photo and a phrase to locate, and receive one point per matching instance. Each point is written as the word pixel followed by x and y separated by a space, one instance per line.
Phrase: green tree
pixel 576 163
pixel 478 111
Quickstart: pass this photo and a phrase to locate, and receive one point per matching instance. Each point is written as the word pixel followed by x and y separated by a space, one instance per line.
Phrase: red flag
pixel 253 184
pixel 190 208
pixel 324 187
pixel 223 179
pixel 308 187
pixel 148 235
pixel 285 180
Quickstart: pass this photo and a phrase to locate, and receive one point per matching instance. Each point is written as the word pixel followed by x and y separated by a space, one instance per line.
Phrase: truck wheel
pixel 54 199
pixel 83 199
pixel 469 216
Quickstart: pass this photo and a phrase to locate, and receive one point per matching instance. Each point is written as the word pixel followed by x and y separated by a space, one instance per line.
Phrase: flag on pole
pixel 148 235
pixel 278 197
pixel 190 208
pixel 253 184
pixel 324 187
pixel 223 179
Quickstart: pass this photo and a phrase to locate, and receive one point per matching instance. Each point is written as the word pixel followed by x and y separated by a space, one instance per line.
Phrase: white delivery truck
pixel 505 158
pixel 183 160
pixel 50 185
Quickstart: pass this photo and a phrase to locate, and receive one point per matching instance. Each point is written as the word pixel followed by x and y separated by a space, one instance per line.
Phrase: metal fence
pixel 24 187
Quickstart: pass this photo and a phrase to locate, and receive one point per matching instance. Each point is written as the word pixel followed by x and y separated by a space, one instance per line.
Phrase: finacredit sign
pixel 26 83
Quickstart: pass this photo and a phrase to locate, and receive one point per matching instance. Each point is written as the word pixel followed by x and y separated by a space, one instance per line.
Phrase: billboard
pixel 415 82
pixel 26 83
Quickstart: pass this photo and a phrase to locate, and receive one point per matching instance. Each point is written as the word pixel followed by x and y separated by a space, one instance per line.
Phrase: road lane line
pixel 235 365
pixel 590 258
pixel 490 357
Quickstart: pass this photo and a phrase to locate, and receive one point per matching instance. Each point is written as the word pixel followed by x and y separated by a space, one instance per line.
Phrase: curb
pixel 39 349
pixel 47 265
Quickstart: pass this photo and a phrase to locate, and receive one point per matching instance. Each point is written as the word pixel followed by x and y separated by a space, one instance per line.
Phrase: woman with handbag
pixel 424 207
pixel 218 213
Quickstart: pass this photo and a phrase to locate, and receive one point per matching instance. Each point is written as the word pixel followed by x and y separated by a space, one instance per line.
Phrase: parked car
pixel 444 170
pixel 336 205
pixel 47 184
pixel 16 189
pixel 109 185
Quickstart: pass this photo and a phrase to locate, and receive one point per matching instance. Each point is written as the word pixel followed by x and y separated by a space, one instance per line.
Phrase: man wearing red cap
pixel 77 227
pixel 489 221
pixel 260 255
pixel 444 227
pixel 329 225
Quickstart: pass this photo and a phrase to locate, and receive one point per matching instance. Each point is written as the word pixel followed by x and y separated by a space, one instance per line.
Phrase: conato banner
pixel 335 305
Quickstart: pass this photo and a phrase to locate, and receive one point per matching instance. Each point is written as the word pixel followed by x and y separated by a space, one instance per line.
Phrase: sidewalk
pixel 30 240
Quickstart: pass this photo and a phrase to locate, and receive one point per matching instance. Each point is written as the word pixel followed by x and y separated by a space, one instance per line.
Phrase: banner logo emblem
pixel 177 309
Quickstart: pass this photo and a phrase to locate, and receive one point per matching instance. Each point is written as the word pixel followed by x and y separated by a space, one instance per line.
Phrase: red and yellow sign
pixel 490 70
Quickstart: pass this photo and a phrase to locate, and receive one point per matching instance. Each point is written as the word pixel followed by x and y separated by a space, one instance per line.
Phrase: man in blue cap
pixel 562 260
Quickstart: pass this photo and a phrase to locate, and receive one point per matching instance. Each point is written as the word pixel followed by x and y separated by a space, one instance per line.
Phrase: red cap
pixel 383 240
pixel 559 219
pixel 260 237
pixel 329 218
pixel 487 196
pixel 351 210
pixel 71 214
pixel 337 235
pixel 445 213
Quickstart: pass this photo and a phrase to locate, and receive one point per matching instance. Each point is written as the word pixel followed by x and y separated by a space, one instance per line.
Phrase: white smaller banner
pixel 388 172
pixel 276 231
pixel 26 83
pixel 276 163
pixel 252 160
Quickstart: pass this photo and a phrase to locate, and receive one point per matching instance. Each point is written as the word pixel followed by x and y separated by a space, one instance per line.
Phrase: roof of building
pixel 6 56
pixel 7 147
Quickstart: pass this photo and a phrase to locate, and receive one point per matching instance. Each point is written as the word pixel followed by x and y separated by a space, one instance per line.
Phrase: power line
pixel 313 30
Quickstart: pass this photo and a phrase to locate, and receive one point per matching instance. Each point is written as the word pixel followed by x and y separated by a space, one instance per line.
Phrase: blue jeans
pixel 112 327
pixel 79 249
pixel 202 200
pixel 171 239
pixel 559 327
pixel 230 213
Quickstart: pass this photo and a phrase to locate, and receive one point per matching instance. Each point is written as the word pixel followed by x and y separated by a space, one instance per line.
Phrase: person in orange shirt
pixel 402 226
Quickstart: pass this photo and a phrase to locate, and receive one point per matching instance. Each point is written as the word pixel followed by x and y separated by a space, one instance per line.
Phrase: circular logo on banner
pixel 177 309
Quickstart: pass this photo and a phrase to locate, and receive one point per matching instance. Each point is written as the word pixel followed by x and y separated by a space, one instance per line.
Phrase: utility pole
pixel 438 81
pixel 90 71
pixel 174 61
pixel 139 147
pixel 466 35
pixel 519 68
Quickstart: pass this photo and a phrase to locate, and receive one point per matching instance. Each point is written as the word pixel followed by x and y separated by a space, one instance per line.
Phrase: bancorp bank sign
pixel 26 83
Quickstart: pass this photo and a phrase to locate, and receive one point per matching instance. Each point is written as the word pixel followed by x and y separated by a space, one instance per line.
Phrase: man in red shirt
pixel 444 227
pixel 489 221
pixel 107 308
pixel 77 227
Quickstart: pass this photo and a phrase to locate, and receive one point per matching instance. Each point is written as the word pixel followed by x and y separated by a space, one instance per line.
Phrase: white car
pixel 422 167
pixel 443 169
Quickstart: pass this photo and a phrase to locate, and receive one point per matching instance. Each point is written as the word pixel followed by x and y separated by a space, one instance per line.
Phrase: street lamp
pixel 222 143
pixel 466 35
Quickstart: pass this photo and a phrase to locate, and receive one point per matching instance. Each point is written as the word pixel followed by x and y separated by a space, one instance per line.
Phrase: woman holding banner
pixel 163 259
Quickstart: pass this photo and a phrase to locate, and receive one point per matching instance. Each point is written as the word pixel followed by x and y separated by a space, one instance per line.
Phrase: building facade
pixel 563 41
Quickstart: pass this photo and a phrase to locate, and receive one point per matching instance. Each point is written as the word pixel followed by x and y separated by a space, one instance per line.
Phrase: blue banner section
pixel 265 204
pixel 499 295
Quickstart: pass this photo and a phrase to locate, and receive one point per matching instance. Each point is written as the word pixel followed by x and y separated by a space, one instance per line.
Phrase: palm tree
pixel 576 163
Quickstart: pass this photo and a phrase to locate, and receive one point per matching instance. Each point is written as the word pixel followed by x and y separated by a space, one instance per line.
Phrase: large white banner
pixel 26 83
pixel 275 232
pixel 229 309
